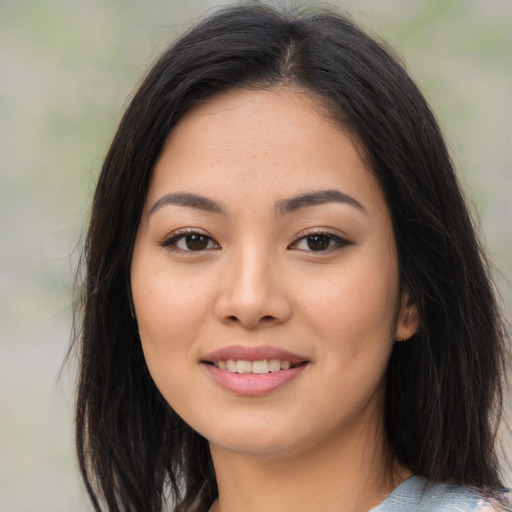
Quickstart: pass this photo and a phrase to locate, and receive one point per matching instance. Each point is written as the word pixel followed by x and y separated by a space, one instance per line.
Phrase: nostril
pixel 264 320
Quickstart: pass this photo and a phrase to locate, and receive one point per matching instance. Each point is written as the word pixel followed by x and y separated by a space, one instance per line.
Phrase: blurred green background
pixel 67 70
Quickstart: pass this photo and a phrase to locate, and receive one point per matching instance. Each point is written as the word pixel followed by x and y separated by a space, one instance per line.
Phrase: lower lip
pixel 253 384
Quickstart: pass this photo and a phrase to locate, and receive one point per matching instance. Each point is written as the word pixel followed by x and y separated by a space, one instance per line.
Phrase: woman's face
pixel 265 277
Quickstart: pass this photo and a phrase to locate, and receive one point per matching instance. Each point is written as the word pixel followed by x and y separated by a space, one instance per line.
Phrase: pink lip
pixel 251 384
pixel 252 353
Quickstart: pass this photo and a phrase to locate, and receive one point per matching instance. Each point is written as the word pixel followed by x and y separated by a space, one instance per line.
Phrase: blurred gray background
pixel 67 69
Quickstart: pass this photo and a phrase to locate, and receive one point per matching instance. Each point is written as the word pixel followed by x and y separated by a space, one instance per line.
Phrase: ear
pixel 408 320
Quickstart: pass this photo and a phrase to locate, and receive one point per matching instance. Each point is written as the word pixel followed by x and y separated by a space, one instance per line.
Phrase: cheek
pixel 168 324
pixel 356 301
pixel 167 301
pixel 171 309
pixel 352 317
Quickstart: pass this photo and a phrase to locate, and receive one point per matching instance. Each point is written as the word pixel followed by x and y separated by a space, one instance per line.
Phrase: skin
pixel 316 443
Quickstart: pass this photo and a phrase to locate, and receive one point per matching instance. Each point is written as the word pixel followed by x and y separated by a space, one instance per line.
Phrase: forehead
pixel 261 146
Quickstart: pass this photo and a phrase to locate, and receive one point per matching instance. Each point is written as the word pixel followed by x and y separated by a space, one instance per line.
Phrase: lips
pixel 253 371
pixel 250 353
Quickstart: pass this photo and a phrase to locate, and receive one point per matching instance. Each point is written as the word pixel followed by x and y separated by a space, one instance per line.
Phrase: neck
pixel 353 475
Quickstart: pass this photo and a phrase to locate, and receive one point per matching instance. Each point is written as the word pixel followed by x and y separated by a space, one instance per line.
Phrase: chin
pixel 262 448
pixel 253 439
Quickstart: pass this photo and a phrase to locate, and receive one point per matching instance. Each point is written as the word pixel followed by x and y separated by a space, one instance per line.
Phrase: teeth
pixel 258 367
pixel 274 365
pixel 243 366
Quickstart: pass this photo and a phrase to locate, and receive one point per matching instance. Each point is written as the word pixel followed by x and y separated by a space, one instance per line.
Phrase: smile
pixel 257 367
pixel 249 370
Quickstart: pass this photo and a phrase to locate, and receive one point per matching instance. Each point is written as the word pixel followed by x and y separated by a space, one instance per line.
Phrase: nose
pixel 253 292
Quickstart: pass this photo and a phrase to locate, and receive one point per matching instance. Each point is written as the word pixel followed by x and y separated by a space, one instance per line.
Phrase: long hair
pixel 443 386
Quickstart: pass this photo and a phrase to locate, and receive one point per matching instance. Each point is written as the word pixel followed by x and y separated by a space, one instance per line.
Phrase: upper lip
pixel 253 353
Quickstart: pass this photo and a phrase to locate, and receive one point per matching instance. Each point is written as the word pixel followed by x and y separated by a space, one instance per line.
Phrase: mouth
pixel 258 367
pixel 254 370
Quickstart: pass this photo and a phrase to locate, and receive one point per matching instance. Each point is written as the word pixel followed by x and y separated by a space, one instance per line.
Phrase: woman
pixel 285 307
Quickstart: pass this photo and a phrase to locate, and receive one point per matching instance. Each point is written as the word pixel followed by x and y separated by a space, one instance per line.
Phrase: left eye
pixel 190 242
pixel 319 242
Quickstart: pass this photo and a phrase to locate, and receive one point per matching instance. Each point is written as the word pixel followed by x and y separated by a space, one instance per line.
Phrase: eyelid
pixel 340 240
pixel 169 242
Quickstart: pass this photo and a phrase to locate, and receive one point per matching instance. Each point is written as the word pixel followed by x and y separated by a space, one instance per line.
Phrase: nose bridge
pixel 251 294
pixel 249 275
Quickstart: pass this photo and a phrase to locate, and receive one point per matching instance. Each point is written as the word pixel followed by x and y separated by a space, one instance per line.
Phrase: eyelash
pixel 303 236
pixel 172 241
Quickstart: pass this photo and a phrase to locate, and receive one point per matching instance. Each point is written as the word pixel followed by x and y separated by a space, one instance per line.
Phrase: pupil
pixel 197 242
pixel 318 242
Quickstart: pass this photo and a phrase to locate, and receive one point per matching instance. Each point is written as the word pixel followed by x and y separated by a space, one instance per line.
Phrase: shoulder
pixel 418 495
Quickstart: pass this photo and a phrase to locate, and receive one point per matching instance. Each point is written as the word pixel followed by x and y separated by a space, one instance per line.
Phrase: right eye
pixel 190 241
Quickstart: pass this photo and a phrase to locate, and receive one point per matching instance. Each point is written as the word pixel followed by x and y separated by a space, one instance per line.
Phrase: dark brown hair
pixel 443 387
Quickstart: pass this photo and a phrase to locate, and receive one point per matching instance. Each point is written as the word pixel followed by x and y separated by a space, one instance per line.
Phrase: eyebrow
pixel 315 198
pixel 189 200
pixel 283 207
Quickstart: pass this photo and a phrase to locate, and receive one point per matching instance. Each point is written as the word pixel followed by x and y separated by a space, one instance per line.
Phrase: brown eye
pixel 190 242
pixel 196 242
pixel 318 242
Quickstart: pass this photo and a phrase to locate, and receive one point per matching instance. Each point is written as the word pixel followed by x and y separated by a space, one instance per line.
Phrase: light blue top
pixel 416 495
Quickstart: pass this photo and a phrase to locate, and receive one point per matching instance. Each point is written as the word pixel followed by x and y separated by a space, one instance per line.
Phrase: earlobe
pixel 408 321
